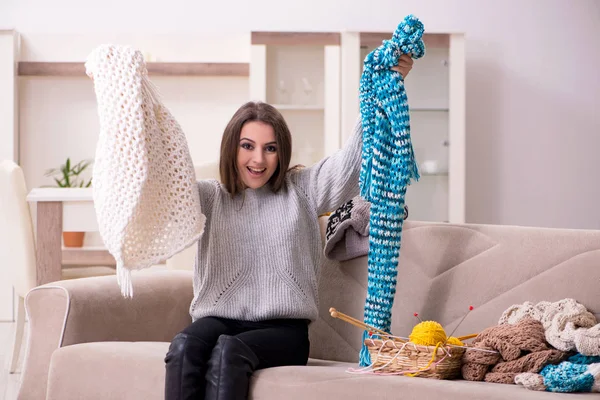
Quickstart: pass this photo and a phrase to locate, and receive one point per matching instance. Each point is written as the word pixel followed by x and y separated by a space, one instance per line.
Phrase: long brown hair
pixel 253 111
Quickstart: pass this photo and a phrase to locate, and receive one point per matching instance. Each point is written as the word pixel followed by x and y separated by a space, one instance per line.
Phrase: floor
pixel 9 383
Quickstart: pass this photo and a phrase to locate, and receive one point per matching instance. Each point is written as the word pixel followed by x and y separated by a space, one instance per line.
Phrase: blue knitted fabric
pixel 388 166
pixel 578 374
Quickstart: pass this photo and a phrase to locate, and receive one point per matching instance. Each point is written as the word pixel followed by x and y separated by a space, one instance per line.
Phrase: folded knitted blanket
pixel 568 324
pixel 501 352
pixel 347 233
pixel 145 192
pixel 577 374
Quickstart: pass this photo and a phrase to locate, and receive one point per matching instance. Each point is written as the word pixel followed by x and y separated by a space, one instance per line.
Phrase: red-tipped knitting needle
pixel 417 316
pixel 463 318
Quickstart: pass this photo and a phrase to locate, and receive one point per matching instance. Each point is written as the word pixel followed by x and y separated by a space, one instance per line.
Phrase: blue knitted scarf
pixel 388 166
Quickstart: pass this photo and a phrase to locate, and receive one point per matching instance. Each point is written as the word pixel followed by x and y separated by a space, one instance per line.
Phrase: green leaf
pixel 68 174
pixel 84 164
pixel 66 179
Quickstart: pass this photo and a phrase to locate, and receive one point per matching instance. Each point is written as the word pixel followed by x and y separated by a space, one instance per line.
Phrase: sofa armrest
pixel 92 310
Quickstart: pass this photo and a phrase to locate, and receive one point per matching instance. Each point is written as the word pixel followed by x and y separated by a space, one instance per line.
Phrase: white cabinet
pixel 299 74
pixel 436 97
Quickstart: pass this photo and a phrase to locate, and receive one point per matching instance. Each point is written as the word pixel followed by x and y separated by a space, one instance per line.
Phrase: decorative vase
pixel 73 239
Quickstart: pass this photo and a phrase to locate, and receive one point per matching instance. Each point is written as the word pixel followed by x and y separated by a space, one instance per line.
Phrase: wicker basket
pixel 392 355
pixel 396 357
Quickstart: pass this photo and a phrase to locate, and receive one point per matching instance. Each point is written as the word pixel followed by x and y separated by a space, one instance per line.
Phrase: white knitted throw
pixel 144 186
pixel 568 324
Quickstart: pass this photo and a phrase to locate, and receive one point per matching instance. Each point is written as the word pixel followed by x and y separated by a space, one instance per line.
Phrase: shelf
pixel 34 68
pixel 298 107
pixel 60 194
pixel 374 39
pixel 296 38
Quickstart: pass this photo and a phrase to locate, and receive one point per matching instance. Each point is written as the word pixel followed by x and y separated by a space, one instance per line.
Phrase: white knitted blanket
pixel 144 186
pixel 568 324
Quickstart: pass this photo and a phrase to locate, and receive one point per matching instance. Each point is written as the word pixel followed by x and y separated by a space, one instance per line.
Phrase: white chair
pixel 17 246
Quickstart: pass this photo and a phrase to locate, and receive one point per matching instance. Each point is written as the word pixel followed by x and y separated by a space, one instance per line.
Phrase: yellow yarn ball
pixel 428 333
pixel 455 341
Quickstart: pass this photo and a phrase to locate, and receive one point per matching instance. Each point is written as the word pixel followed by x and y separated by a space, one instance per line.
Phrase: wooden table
pixel 61 210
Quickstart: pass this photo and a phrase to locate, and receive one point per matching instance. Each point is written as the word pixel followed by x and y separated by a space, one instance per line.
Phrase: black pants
pixel 214 357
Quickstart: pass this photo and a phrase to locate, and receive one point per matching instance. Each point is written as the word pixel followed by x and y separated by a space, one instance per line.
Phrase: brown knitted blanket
pixel 518 348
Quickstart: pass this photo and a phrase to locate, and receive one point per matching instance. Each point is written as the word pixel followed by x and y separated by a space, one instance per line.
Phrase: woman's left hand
pixel 405 63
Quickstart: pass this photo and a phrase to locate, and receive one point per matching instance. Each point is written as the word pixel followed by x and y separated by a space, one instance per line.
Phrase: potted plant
pixel 69 175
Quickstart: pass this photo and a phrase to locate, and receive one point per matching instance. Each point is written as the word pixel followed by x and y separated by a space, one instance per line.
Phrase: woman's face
pixel 257 157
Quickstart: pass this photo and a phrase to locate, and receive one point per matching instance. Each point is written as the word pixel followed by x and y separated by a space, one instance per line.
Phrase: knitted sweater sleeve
pixel 333 180
pixel 207 189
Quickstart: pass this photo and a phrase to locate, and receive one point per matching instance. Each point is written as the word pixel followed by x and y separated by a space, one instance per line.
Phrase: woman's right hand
pixel 405 64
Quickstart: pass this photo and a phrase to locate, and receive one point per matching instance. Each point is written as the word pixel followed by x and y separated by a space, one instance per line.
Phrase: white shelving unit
pixel 436 95
pixel 299 73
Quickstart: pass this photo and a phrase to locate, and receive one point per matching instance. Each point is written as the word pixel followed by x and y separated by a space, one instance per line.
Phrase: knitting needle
pixel 417 317
pixel 474 348
pixel 456 327
pixel 336 314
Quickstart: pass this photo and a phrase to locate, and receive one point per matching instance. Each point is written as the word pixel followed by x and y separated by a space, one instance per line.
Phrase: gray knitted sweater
pixel 260 253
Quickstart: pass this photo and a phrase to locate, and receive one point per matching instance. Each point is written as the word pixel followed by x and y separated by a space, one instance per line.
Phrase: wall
pixel 533 126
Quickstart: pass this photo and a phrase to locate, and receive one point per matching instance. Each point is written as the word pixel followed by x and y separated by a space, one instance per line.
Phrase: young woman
pixel 257 267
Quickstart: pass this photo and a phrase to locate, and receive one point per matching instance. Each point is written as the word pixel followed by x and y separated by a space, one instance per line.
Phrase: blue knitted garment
pixel 388 166
pixel 578 374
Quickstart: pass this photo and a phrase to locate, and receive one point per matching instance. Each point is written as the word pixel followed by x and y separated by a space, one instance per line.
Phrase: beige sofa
pixel 87 342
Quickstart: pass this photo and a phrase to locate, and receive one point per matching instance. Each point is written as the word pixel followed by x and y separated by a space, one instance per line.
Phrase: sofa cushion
pixel 108 370
pixel 124 370
pixel 330 380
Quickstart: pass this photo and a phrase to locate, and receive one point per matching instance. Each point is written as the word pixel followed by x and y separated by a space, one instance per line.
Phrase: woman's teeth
pixel 256 171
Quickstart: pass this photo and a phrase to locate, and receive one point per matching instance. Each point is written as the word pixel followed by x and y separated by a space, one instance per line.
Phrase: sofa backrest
pixel 445 268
